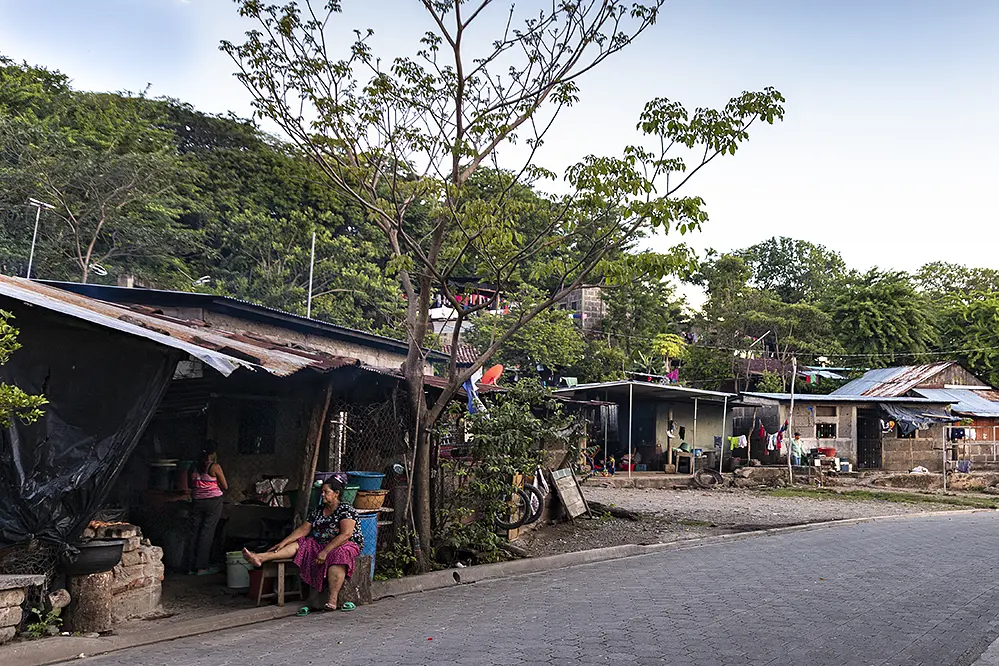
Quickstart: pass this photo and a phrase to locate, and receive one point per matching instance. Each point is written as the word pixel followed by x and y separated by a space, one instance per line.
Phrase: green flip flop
pixel 348 606
pixel 302 612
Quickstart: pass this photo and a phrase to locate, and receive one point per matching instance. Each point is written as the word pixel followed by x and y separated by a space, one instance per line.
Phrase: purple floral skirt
pixel 314 574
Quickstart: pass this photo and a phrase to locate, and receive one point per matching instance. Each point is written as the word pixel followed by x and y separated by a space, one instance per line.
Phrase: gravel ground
pixel 670 515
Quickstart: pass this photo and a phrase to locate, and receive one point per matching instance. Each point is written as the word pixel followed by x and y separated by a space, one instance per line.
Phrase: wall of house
pixel 242 470
pixel 901 455
pixel 954 375
pixel 806 419
pixel 709 423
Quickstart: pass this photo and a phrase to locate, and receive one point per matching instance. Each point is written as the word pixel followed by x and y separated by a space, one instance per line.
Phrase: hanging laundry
pixel 784 427
pixel 718 442
pixel 671 429
pixel 772 442
pixel 673 375
pixel 733 443
pixel 743 441
pixel 762 432
pixel 972 434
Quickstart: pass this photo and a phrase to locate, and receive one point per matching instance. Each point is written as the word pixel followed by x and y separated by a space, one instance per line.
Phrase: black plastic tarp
pixel 103 388
pixel 915 417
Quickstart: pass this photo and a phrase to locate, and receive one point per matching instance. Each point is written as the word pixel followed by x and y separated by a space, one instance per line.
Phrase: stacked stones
pixel 12 594
pixel 138 579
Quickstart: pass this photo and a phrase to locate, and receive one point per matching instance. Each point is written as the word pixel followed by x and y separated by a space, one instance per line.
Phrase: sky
pixel 886 154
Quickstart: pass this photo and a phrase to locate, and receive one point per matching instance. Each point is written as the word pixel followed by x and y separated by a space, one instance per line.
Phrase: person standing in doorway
pixel 207 483
pixel 797 449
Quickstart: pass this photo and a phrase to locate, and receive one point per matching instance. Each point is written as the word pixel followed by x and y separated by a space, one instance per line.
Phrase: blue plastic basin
pixel 366 480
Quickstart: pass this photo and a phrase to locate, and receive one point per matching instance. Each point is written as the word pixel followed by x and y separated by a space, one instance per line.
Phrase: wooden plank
pixel 568 491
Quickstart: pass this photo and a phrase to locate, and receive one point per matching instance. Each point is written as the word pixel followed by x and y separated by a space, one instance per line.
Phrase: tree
pixel 971 325
pixel 111 175
pixel 599 363
pixel 940 281
pixel 637 312
pixel 550 339
pixel 793 270
pixel 15 403
pixel 414 132
pixel 881 319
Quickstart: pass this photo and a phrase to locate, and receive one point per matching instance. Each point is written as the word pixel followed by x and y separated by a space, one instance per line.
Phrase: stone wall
pixel 13 590
pixel 138 579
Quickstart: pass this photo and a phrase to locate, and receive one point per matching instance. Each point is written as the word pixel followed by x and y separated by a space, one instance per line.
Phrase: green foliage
pixel 511 438
pixel 639 312
pixel 972 324
pixel 398 560
pixel 881 316
pixel 599 363
pixel 550 339
pixel 706 368
pixel 792 270
pixel 44 623
pixel 771 382
pixel 15 403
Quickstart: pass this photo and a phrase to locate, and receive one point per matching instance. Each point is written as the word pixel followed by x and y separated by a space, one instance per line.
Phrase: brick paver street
pixel 904 591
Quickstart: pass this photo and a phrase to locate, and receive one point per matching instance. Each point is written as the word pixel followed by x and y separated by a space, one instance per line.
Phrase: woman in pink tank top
pixel 207 483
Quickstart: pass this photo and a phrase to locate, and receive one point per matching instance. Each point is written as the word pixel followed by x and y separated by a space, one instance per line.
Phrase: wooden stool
pixel 279 569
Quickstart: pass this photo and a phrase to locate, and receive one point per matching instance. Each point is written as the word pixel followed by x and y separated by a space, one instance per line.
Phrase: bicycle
pixel 519 503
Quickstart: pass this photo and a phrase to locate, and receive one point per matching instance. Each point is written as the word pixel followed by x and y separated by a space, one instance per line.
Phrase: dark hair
pixel 797 434
pixel 335 484
pixel 210 448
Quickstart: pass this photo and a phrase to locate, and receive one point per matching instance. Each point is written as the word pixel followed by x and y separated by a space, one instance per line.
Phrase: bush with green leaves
pixel 15 403
pixel 512 437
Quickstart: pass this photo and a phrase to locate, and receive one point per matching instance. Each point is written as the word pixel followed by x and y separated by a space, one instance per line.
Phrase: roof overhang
pixel 621 390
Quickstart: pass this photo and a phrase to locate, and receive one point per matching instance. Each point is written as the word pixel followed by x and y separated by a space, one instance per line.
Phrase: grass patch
pixel 901 498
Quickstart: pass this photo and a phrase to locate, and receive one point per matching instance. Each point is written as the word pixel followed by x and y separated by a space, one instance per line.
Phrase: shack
pixel 889 433
pixel 138 382
pixel 653 420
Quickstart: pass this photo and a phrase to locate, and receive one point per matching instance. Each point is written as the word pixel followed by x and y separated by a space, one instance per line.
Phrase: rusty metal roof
pixel 892 382
pixel 467 354
pixel 225 351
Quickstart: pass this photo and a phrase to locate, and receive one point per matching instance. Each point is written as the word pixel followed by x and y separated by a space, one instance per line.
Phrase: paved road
pixel 905 591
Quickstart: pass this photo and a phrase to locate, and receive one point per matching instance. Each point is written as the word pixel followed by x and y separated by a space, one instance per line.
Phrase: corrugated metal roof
pixel 967 402
pixel 467 354
pixel 222 350
pixel 892 382
pixel 833 397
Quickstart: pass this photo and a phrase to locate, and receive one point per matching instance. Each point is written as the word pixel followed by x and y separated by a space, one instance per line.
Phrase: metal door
pixel 868 439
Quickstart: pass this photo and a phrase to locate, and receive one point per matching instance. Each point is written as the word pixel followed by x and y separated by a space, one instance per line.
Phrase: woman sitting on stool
pixel 325 546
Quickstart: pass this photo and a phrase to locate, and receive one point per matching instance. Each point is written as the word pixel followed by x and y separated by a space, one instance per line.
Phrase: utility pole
pixel 39 205
pixel 312 264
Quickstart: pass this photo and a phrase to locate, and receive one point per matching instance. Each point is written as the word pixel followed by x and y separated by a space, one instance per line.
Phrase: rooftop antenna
pixel 39 205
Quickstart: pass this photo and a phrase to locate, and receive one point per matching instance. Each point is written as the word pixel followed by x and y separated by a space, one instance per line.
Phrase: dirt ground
pixel 671 515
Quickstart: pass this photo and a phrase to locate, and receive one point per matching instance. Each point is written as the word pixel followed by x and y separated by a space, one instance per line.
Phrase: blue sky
pixel 887 153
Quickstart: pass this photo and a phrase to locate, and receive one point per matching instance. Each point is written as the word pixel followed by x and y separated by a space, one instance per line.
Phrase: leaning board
pixel 569 492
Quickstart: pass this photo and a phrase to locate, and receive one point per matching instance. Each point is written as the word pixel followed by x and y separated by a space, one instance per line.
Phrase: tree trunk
pixel 90 608
pixel 422 508
pixel 313 439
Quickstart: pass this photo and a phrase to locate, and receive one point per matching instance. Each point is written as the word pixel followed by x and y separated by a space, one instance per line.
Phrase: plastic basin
pixel 95 556
pixel 366 480
pixel 349 493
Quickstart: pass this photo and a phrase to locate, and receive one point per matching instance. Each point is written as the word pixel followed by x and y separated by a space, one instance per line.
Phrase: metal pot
pixel 95 556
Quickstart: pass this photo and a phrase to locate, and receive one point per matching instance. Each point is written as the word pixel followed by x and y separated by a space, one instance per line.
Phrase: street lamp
pixel 39 205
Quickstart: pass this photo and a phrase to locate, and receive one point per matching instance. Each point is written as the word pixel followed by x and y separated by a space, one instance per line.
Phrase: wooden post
pixel 90 608
pixel 310 457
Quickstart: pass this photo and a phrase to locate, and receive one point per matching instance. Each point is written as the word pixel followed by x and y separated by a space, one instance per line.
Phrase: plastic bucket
pixel 366 480
pixel 237 571
pixel 349 493
pixel 369 528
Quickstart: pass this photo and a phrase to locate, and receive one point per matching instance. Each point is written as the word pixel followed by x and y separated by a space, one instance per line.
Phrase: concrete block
pixel 132 543
pixel 11 598
pixel 132 558
pixel 6 634
pixel 20 581
pixel 11 617
pixel 136 603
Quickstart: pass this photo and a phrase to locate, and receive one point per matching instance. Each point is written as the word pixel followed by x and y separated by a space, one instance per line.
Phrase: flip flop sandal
pixel 302 612
pixel 348 606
